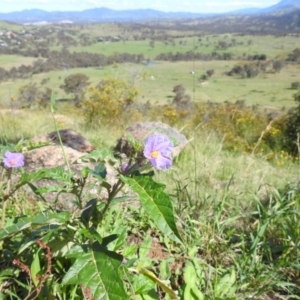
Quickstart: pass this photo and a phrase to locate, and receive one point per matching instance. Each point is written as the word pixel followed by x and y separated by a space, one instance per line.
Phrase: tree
pixel 44 97
pixel 152 43
pixel 210 72
pixel 76 84
pixel 28 95
pixel 295 85
pixel 179 90
pixel 278 65
pixel 181 100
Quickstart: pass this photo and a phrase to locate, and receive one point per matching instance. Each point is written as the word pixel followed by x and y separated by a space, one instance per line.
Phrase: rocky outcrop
pixel 69 138
pixel 75 145
pixel 53 155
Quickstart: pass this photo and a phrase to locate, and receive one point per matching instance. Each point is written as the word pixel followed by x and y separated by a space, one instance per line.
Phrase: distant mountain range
pixel 108 15
pixel 283 6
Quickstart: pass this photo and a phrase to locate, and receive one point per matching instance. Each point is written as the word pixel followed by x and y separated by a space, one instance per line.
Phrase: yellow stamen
pixel 154 154
pixel 12 162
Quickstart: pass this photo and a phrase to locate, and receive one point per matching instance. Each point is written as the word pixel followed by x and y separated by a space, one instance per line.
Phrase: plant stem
pixel 116 188
pixel 57 131
pixel 5 197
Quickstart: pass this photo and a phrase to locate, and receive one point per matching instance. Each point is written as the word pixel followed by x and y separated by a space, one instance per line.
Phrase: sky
pixel 199 6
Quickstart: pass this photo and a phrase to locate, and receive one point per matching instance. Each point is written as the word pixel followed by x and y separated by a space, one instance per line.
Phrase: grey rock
pixel 69 137
pixel 51 156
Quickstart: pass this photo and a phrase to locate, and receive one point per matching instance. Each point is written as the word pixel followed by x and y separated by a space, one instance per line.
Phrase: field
pixel 221 223
pixel 275 47
pixel 156 81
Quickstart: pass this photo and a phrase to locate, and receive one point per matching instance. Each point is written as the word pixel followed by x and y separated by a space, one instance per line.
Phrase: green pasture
pixel 273 47
pixel 156 82
pixel 9 61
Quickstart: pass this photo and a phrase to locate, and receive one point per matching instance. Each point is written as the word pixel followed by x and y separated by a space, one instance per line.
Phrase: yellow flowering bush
pixel 106 102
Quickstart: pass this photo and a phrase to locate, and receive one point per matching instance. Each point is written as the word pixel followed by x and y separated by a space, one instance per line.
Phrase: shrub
pixel 295 85
pixel 106 102
pixel 292 129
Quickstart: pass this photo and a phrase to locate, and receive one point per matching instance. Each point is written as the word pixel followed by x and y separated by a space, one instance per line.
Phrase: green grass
pixel 237 213
pixel 267 90
pixel 270 90
pixel 272 46
pixel 232 211
pixel 9 61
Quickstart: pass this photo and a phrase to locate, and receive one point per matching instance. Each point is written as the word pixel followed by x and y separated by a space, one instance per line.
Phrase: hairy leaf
pixel 42 218
pixel 57 173
pixel 156 203
pixel 97 271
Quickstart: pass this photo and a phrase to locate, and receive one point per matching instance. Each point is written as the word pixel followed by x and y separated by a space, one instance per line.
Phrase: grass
pixel 272 46
pixel 9 61
pixel 237 213
pixel 271 90
pixel 232 211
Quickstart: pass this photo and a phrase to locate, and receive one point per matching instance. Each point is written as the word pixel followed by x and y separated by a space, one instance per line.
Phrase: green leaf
pixel 57 173
pixel 191 291
pixel 97 156
pixel 121 199
pixel 121 240
pixel 97 270
pixel 22 223
pixel 142 284
pixel 99 171
pixel 135 144
pixel 35 268
pixel 35 190
pixel 165 272
pixel 160 283
pixel 90 211
pixel 145 247
pixel 130 250
pixel 53 101
pixel 109 239
pixel 225 287
pixel 156 203
pixel 151 295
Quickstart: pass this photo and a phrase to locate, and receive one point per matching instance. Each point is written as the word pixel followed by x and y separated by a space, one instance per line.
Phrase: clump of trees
pixel 66 60
pixel 245 71
pixel 31 95
pixel 294 56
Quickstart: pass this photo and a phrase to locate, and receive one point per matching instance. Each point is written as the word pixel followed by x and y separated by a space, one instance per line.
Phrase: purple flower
pixel 13 160
pixel 158 149
pixel 124 166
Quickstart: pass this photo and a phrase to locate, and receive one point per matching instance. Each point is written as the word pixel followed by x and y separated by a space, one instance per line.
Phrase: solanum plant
pixel 76 255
